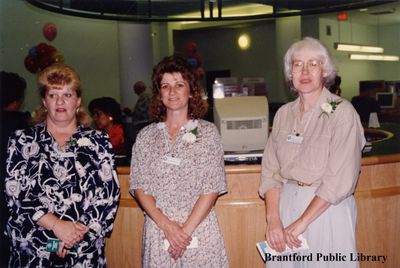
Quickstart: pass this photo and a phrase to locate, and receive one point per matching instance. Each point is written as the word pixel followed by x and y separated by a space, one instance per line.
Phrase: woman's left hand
pixel 62 250
pixel 292 233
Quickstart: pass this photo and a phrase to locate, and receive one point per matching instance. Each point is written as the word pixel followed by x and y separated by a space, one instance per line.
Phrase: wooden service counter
pixel 241 216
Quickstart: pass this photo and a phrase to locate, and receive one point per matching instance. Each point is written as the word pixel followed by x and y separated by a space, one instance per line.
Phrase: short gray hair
pixel 320 51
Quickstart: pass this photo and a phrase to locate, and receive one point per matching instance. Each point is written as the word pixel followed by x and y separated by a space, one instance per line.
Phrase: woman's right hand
pixel 69 232
pixel 175 235
pixel 274 234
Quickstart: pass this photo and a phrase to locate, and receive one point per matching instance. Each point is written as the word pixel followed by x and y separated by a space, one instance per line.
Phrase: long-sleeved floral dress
pixel 78 184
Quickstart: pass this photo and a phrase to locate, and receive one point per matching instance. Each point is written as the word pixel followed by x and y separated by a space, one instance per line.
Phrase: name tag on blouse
pixel 171 160
pixel 294 139
pixel 65 154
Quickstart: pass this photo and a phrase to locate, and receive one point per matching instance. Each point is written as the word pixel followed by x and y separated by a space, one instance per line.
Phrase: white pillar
pixel 135 59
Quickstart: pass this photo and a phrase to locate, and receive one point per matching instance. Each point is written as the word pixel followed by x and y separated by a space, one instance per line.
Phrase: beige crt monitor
pixel 242 122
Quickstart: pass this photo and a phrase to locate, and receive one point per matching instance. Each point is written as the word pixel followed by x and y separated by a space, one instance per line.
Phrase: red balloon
pixel 45 61
pixel 49 31
pixel 199 72
pixel 31 64
pixel 190 48
pixel 42 49
pixel 197 58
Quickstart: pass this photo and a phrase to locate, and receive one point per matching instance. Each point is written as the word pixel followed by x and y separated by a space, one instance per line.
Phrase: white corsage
pixel 81 142
pixel 191 132
pixel 330 106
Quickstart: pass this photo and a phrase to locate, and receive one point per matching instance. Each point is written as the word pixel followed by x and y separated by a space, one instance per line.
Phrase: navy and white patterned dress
pixel 78 184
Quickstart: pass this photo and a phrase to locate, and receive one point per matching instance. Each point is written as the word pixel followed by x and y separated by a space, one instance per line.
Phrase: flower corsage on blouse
pixel 81 142
pixel 329 107
pixel 192 134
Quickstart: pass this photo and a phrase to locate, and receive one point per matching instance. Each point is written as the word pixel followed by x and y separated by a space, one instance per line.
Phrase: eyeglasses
pixel 312 66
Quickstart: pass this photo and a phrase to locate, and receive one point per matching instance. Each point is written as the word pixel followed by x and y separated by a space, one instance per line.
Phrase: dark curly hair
pixel 12 88
pixel 108 106
pixel 176 64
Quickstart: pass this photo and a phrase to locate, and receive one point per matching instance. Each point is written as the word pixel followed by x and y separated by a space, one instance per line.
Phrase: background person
pixel 177 173
pixel 61 181
pixel 12 90
pixel 107 115
pixel 141 110
pixel 335 87
pixel 311 162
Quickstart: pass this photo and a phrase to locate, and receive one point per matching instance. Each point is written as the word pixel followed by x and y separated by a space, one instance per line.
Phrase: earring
pixel 110 117
pixel 77 110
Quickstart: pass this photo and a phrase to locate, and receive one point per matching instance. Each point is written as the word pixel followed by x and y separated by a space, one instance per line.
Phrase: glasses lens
pixel 312 66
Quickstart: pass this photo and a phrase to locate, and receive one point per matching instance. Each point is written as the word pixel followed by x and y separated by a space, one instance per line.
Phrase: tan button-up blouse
pixel 329 155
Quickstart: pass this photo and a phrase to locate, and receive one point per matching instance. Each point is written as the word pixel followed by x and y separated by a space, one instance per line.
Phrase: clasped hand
pixel 69 233
pixel 177 237
pixel 278 237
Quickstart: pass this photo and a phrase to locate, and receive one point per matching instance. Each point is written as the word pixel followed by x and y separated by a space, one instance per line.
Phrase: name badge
pixel 66 154
pixel 171 160
pixel 294 139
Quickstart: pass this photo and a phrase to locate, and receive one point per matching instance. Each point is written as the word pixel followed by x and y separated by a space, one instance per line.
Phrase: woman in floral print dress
pixel 61 183
pixel 177 173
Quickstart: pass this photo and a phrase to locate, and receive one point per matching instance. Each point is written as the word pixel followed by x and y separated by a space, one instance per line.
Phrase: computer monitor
pixel 386 100
pixel 242 122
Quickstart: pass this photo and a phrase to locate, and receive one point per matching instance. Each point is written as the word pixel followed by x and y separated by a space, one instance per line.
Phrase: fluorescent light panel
pixel 374 57
pixel 358 48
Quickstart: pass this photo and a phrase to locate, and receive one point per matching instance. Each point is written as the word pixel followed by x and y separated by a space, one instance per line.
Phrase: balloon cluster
pixel 43 55
pixel 194 59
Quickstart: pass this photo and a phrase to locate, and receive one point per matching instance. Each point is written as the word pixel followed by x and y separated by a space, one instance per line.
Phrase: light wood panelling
pixel 241 214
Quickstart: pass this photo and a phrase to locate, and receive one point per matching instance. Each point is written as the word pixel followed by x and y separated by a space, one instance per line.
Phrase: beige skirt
pixel 331 237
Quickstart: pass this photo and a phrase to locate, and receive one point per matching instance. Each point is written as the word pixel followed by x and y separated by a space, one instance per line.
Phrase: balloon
pixel 31 64
pixel 199 72
pixel 33 51
pixel 42 49
pixel 190 48
pixel 45 61
pixel 59 57
pixel 49 31
pixel 197 58
pixel 192 62
pixel 51 50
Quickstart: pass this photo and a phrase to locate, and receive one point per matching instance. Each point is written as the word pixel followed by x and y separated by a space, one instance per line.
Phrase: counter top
pixel 389 146
pixel 387 151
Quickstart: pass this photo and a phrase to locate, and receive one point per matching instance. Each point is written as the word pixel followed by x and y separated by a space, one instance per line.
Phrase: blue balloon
pixel 33 51
pixel 192 62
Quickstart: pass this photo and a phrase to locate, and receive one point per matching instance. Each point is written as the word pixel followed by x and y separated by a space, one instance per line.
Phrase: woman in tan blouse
pixel 311 165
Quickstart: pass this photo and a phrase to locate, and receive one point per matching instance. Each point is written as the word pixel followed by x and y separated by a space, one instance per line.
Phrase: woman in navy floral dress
pixel 61 185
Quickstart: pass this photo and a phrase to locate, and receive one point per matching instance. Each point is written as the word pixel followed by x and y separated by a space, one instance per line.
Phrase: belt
pixel 299 183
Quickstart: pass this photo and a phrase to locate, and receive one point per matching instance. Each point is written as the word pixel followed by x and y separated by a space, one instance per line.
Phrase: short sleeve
pixel 342 172
pixel 137 178
pixel 213 169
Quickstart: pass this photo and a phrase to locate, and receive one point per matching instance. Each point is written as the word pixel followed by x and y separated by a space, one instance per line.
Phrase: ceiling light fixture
pixel 244 41
pixel 358 48
pixel 380 57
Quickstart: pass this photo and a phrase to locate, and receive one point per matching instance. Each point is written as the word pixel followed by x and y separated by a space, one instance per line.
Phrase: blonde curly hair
pixel 59 74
